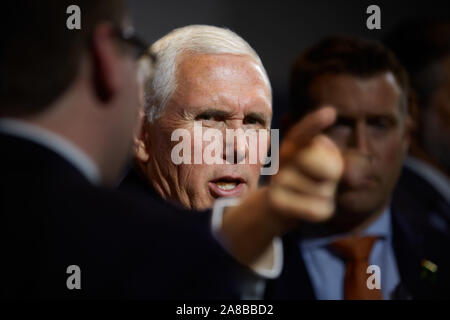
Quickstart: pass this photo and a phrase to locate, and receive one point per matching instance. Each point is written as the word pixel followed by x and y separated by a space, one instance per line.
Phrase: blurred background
pixel 279 30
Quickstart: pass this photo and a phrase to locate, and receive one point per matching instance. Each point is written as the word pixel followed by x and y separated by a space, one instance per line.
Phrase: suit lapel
pixel 408 249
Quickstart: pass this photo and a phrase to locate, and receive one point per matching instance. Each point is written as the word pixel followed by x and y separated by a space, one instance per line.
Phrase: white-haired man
pixel 210 76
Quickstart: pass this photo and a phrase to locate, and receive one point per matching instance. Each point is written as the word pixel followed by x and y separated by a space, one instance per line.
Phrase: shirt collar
pixel 381 227
pixel 54 142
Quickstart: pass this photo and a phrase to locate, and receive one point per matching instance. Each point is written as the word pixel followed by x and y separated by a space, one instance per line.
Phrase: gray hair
pixel 198 39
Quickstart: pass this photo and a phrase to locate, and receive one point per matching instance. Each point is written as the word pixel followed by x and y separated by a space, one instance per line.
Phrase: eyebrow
pixel 347 119
pixel 215 113
pixel 258 116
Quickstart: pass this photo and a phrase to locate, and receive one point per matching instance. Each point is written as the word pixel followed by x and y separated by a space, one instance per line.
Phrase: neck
pixel 60 120
pixel 343 221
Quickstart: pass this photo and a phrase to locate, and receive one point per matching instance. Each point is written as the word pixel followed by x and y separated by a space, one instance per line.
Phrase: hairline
pixel 404 93
pixel 156 99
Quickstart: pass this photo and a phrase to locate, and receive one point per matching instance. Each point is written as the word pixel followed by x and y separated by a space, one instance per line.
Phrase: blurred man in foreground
pixel 408 259
pixel 67 119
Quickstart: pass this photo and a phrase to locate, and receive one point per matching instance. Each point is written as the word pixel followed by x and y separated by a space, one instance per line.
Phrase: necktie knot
pixel 354 248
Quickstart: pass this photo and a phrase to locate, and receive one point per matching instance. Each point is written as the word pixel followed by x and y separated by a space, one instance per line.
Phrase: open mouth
pixel 227 187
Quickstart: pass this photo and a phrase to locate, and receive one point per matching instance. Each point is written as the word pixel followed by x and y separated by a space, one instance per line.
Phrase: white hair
pixel 197 39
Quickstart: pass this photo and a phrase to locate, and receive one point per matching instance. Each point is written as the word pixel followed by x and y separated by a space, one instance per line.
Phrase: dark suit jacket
pixel 418 197
pixel 127 246
pixel 415 238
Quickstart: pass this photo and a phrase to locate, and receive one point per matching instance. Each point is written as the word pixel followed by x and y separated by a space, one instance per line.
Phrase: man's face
pixel 371 131
pixel 220 92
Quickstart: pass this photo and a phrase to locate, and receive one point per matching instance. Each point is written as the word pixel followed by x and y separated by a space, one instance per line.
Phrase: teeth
pixel 226 185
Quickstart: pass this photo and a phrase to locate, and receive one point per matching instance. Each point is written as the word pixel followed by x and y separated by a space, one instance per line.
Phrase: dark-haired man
pixel 69 104
pixel 368 250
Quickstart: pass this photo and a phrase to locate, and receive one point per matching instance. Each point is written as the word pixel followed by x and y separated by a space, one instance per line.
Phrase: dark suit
pixel 418 197
pixel 415 238
pixel 127 246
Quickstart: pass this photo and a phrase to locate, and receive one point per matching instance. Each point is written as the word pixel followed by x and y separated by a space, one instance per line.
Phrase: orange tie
pixel 356 251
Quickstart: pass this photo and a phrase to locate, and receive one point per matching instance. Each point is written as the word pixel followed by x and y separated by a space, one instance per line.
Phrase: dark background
pixel 279 30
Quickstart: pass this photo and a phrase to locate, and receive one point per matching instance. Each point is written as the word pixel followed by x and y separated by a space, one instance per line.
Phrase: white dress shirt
pixel 268 266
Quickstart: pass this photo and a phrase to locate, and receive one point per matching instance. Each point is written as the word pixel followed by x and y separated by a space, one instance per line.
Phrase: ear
pixel 141 141
pixel 105 63
pixel 140 150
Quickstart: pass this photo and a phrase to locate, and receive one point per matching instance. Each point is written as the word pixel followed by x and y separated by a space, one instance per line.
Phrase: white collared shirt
pixel 61 146
pixel 254 288
pixel 277 246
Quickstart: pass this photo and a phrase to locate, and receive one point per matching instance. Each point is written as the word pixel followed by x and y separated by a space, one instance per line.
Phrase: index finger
pixel 311 125
pixel 305 130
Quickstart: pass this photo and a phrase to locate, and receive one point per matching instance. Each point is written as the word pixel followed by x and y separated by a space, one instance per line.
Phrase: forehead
pixel 222 81
pixel 352 95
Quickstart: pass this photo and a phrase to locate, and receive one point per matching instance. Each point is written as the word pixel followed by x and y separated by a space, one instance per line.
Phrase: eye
pixel 211 118
pixel 203 116
pixel 380 123
pixel 338 130
pixel 341 124
pixel 252 120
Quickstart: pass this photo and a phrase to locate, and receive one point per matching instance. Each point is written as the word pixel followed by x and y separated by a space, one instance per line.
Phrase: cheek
pixel 189 175
pixel 194 178
pixel 164 145
pixel 161 152
pixel 254 172
pixel 390 155
pixel 262 147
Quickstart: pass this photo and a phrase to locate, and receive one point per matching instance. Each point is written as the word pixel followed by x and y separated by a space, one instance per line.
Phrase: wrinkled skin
pixel 222 92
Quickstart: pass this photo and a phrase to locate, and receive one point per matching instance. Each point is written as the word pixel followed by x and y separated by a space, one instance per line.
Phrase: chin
pixel 357 203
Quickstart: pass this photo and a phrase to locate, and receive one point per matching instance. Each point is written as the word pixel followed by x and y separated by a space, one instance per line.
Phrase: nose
pixel 235 146
pixel 361 139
